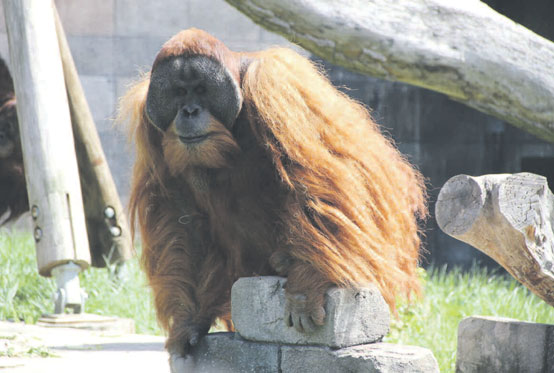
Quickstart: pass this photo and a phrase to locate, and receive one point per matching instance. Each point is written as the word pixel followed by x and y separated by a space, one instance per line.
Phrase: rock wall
pixel 349 341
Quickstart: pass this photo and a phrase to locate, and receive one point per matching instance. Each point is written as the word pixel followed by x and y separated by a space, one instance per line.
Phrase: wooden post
pixel 508 217
pixel 108 231
pixel 47 140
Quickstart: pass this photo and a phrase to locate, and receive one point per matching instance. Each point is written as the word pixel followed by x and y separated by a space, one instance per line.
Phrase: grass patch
pixel 126 295
pixel 431 322
pixel 451 295
pixel 24 295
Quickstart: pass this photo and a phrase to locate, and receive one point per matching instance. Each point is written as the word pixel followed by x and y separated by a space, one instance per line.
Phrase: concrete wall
pixel 113 40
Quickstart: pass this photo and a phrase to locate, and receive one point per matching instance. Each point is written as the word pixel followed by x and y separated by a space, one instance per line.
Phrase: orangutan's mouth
pixel 193 139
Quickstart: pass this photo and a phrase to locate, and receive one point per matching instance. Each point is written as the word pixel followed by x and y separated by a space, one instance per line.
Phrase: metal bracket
pixel 69 293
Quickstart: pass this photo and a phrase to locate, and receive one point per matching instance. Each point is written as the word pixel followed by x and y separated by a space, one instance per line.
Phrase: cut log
pixel 108 232
pixel 508 217
pixel 463 49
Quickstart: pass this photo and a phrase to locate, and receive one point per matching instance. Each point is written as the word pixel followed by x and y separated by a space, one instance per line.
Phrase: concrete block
pixel 491 344
pixel 2 19
pixel 87 17
pixel 123 84
pixel 5 49
pixel 228 353
pixel 120 159
pixel 371 358
pixel 93 55
pixel 148 18
pixel 135 55
pixel 354 316
pixel 207 15
pixel 100 94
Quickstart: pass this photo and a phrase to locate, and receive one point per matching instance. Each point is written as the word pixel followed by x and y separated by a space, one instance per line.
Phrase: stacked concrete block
pixel 349 341
pixel 499 345
pixel 354 316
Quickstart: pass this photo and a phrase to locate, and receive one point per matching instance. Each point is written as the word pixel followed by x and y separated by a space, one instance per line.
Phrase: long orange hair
pixel 363 194
pixel 358 200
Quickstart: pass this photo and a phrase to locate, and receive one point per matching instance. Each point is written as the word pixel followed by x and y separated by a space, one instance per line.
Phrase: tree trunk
pixel 508 217
pixel 463 49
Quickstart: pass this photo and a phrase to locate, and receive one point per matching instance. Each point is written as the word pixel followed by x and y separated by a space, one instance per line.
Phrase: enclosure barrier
pixel 349 341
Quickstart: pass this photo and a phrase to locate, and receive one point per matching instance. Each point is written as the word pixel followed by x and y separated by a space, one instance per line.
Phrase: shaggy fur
pixel 304 181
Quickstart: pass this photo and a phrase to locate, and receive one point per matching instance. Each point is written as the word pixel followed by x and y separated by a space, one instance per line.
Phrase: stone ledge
pixel 354 316
pixel 495 345
pixel 370 358
pixel 228 353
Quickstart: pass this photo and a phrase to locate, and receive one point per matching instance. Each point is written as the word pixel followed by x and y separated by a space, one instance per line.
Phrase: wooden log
pixel 463 49
pixel 108 232
pixel 508 217
pixel 47 140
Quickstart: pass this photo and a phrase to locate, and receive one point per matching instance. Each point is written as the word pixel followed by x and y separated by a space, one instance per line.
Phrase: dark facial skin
pixel 190 92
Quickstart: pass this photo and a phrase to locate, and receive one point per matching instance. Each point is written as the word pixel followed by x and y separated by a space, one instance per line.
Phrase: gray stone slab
pixel 354 316
pixel 147 17
pixel 228 353
pixel 5 49
pixel 100 94
pixel 135 55
pixel 371 358
pixel 2 19
pixel 93 55
pixel 87 17
pixel 499 345
pixel 120 159
pixel 207 15
pixel 123 84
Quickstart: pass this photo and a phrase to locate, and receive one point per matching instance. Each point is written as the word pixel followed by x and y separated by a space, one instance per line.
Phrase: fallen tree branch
pixel 508 217
pixel 463 49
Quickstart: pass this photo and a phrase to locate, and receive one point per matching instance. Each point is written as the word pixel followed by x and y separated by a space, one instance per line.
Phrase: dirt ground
pixel 30 348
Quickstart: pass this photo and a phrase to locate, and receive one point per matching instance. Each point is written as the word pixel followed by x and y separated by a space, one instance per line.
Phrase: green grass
pixel 431 322
pixel 452 295
pixel 24 295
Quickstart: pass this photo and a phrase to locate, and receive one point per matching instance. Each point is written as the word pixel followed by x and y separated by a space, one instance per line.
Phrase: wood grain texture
pixel 98 187
pixel 47 140
pixel 508 217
